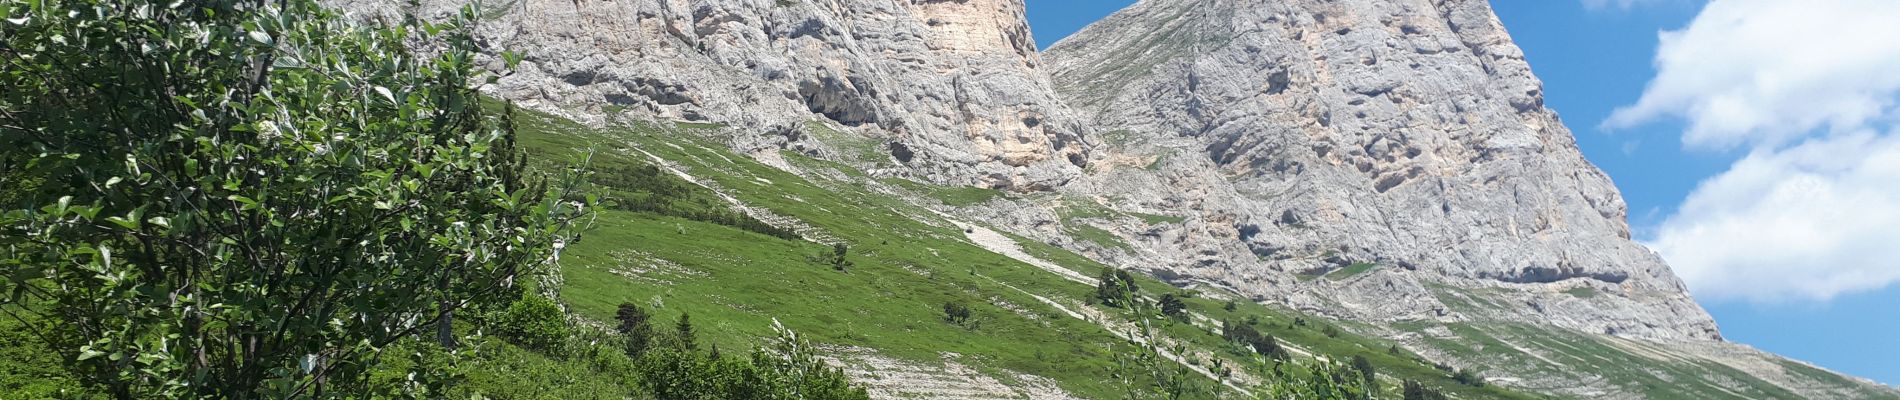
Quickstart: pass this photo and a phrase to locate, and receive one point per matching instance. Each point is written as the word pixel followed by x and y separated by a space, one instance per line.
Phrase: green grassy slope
pixel 675 244
pixel 906 264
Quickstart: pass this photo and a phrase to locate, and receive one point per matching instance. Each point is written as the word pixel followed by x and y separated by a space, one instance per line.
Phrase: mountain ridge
pixel 1223 169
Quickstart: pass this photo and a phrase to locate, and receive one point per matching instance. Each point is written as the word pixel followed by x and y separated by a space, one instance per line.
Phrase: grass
pixel 1152 219
pixel 852 147
pixel 735 282
pixel 1351 271
pixel 1582 292
pixel 1098 236
pixel 955 196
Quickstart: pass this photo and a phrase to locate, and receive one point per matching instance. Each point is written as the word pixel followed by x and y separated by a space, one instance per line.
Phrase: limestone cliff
pixel 952 90
pixel 1309 136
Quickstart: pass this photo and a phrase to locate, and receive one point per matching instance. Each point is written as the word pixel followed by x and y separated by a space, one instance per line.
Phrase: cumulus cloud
pixel 1808 223
pixel 1809 89
pixel 1767 72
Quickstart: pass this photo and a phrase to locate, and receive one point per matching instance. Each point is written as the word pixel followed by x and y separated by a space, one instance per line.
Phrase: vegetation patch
pixel 1153 219
pixel 1351 271
pixel 1098 236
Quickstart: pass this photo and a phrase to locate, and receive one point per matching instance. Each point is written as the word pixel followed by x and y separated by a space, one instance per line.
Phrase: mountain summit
pixel 1410 135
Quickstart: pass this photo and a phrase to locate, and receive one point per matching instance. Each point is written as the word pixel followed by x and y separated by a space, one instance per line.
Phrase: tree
pixel 1416 391
pixel 1269 346
pixel 1173 306
pixel 837 258
pixel 1468 378
pixel 1115 287
pixel 1230 306
pixel 636 326
pixel 956 313
pixel 1366 369
pixel 1109 290
pixel 244 199
pixel 683 333
pixel 1127 280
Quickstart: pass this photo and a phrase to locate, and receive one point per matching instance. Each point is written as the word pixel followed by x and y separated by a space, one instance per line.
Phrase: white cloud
pixel 1807 87
pixel 1767 72
pixel 1808 223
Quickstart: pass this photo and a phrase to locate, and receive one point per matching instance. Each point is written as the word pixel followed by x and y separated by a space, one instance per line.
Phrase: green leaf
pixel 261 37
pixel 511 58
pixel 248 203
pixel 386 94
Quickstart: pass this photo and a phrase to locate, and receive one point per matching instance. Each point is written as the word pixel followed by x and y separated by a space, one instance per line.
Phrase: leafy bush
pixel 1173 306
pixel 956 313
pixel 250 199
pixel 1416 391
pixel 1468 378
pixel 534 322
pixel 1115 287
pixel 1324 380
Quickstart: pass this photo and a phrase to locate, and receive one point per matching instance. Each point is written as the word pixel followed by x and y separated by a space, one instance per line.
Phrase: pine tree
pixel 636 325
pixel 1366 369
pixel 1173 306
pixel 684 333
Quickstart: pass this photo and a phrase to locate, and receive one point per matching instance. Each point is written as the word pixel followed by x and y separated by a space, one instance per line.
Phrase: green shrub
pixel 534 322
pixel 251 199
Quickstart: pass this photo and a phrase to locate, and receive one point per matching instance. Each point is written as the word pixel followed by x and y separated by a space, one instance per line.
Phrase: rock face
pixel 1302 137
pixel 951 89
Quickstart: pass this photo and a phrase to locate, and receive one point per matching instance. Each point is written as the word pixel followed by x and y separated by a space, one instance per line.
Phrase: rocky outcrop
pixel 953 88
pixel 1302 137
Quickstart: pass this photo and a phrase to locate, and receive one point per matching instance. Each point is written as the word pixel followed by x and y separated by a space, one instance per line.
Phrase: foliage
pixel 684 337
pixel 1173 307
pixel 787 369
pixel 647 188
pixel 1413 390
pixel 250 199
pixel 1323 380
pixel 956 313
pixel 1467 377
pixel 1116 288
pixel 837 259
pixel 534 322
pixel 636 326
pixel 1366 370
pixel 1261 344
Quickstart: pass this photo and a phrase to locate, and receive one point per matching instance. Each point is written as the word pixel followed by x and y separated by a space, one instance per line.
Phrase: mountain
pixel 1385 168
pixel 952 88
pixel 1410 135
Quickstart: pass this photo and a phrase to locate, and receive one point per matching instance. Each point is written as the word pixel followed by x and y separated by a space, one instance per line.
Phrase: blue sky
pixel 1780 222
